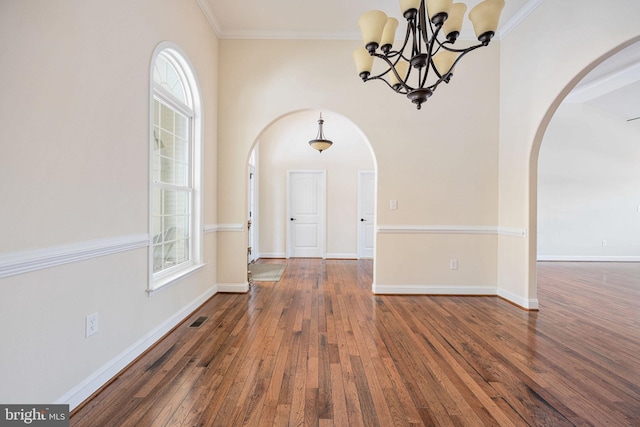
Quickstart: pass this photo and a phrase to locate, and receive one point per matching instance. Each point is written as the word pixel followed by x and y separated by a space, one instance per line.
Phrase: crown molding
pixel 211 18
pixel 517 19
pixel 503 31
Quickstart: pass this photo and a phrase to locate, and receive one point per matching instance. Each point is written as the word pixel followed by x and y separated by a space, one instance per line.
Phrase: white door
pixel 366 213
pixel 306 214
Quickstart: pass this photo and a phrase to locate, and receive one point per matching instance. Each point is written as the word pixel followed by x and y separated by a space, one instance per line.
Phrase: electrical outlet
pixel 604 243
pixel 91 324
pixel 453 264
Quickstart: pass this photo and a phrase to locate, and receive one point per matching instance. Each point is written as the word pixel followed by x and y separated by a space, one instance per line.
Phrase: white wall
pixel 589 186
pixel 74 135
pixel 283 147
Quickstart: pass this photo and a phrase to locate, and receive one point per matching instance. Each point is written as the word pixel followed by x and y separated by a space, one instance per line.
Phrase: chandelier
pixel 320 143
pixel 427 57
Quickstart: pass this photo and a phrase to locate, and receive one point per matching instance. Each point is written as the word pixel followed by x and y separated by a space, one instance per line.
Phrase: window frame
pixel 192 109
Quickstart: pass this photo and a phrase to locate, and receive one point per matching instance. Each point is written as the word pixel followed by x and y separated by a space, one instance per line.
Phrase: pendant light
pixel 320 143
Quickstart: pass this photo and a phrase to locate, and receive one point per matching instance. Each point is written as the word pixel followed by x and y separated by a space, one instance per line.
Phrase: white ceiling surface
pixel 327 19
pixel 613 86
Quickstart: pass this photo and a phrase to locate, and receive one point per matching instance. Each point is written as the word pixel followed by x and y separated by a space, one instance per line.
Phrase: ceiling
pixel 327 19
pixel 613 86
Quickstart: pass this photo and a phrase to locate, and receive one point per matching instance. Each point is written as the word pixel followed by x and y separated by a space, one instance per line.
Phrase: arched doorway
pixel 614 75
pixel 282 149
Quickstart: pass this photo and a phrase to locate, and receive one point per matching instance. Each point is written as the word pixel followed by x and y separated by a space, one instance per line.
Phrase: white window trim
pixel 156 281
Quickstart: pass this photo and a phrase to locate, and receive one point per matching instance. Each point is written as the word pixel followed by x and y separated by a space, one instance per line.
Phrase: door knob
pixel 293 219
pixel 363 220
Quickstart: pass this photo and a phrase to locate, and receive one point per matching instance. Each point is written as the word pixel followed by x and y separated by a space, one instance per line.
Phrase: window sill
pixel 165 281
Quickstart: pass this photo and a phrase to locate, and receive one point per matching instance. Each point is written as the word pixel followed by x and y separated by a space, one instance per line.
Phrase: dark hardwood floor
pixel 318 349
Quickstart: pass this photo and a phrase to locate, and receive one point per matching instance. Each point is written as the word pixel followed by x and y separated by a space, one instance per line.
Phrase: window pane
pixel 166 118
pixel 181 147
pixel 181 251
pixel 180 173
pixel 156 112
pixel 166 75
pixel 177 203
pixel 156 205
pixel 181 126
pixel 166 174
pixel 166 143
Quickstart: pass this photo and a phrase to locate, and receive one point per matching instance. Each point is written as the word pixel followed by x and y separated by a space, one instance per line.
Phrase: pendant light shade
pixel 407 5
pixel 402 68
pixel 437 7
pixel 320 143
pixel 364 61
pixel 485 17
pixel 389 33
pixel 443 61
pixel 453 25
pixel 372 25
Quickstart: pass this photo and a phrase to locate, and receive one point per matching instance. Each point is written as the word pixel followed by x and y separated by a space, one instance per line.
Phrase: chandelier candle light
pixel 424 60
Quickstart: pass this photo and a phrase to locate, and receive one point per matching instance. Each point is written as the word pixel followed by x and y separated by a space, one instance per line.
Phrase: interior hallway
pixel 318 348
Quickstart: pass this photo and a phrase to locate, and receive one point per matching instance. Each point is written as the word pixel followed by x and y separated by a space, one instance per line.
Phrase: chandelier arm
pixel 401 89
pixel 415 28
pixel 444 46
pixel 423 79
pixel 424 22
pixel 406 38
pixel 430 54
pixel 403 81
pixel 463 52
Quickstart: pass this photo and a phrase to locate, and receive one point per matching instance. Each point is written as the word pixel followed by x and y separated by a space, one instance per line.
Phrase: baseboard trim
pixel 433 290
pixel 340 256
pixel 527 304
pixel 12 264
pixel 588 258
pixel 99 378
pixel 273 255
pixel 233 288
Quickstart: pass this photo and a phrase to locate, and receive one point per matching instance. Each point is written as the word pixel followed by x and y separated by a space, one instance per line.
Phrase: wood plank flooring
pixel 318 349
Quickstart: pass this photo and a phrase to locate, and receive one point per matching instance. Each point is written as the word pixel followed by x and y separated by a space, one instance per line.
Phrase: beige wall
pixel 74 166
pixel 74 170
pixel 284 147
pixel 439 163
pixel 542 59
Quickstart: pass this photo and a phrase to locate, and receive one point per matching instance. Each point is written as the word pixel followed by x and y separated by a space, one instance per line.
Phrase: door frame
pixel 360 233
pixel 252 213
pixel 322 196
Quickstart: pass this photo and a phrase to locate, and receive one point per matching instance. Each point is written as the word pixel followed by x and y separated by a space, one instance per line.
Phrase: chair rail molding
pixel 451 229
pixel 14 263
pixel 214 228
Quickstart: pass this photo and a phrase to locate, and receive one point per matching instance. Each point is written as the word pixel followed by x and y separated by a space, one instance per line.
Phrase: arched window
pixel 175 176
